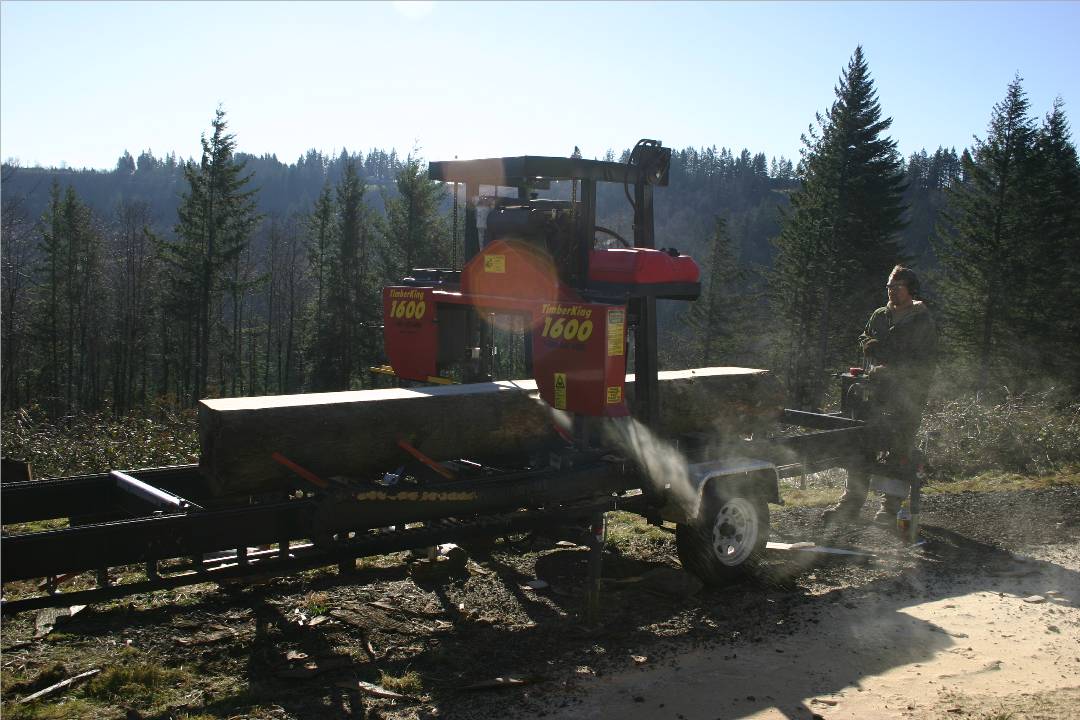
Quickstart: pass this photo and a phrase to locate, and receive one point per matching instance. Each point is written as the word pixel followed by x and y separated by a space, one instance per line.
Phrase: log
pixel 354 434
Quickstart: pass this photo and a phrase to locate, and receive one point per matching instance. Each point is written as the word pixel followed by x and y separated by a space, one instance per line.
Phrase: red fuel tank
pixel 641 266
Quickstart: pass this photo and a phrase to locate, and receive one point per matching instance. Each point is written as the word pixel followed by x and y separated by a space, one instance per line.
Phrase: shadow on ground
pixel 486 622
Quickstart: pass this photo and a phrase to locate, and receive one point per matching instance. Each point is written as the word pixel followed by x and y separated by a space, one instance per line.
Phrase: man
pixel 899 345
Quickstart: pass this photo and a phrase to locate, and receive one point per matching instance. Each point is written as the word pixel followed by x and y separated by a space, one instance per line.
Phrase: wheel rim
pixel 735 531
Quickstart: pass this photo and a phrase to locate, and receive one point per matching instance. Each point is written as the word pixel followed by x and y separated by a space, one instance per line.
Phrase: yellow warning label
pixel 495 263
pixel 614 394
pixel 560 391
pixel 616 332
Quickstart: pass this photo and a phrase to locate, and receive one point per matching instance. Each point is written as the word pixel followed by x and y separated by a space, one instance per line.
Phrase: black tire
pixel 727 540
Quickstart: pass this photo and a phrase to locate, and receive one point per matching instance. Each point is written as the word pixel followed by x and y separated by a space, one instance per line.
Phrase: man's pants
pixel 858 487
pixel 897 436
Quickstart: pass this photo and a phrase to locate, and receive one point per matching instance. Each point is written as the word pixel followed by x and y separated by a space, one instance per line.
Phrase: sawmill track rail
pixel 114 522
pixel 286 559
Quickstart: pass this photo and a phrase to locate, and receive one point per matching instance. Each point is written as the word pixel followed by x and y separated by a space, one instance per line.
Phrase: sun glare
pixel 414 9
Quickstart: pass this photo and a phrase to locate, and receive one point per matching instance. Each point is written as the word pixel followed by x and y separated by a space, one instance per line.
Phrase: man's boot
pixel 886 514
pixel 844 511
pixel 851 502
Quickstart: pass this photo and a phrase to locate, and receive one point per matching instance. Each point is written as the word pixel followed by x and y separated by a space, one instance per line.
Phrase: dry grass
pixel 316 603
pixel 981 444
pixel 137 683
pixel 64 709
pixel 129 679
pixel 624 529
pixel 996 481
pixel 825 488
pixel 810 497
pixel 82 443
pixel 815 490
pixel 1027 433
pixel 409 683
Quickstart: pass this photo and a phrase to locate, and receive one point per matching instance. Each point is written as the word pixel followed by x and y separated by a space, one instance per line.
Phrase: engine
pixel 551 225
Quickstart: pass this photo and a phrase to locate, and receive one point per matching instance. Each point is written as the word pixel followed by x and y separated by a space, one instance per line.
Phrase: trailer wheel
pixel 727 540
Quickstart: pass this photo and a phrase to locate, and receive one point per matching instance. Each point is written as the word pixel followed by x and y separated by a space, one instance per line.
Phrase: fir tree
pixel 984 253
pixel 320 245
pixel 839 240
pixel 16 264
pixel 415 232
pixel 1054 250
pixel 341 236
pixel 134 269
pixel 125 165
pixel 717 319
pixel 350 306
pixel 216 218
pixel 69 324
pixel 51 272
pixel 927 177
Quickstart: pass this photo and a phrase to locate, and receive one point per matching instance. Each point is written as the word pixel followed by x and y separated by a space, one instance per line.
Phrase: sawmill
pixel 451 451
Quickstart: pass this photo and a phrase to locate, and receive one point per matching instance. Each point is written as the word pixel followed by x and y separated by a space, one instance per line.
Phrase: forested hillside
pixel 166 280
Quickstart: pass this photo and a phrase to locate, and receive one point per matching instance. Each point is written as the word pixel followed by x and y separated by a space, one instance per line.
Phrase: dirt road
pixel 980 622
pixel 982 644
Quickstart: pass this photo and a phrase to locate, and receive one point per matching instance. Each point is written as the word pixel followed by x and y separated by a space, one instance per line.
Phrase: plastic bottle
pixel 903 520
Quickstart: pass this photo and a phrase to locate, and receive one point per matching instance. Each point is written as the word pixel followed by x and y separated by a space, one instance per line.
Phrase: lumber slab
pixel 355 434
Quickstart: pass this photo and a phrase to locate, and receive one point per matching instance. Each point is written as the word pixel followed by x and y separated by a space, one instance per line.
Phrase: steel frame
pixel 107 531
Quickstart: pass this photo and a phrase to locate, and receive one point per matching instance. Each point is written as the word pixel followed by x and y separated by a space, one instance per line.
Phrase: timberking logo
pixel 409 294
pixel 567 310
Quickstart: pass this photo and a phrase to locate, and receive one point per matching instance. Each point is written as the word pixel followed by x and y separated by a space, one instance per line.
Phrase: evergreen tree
pixel 134 269
pixel 147 163
pixel 85 317
pixel 341 239
pixel 69 324
pixel 16 263
pixel 985 251
pixel 718 319
pixel 416 234
pixel 125 165
pixel 52 272
pixel 285 321
pixel 1054 250
pixel 350 304
pixel 216 218
pixel 839 240
pixel 927 178
pixel 321 229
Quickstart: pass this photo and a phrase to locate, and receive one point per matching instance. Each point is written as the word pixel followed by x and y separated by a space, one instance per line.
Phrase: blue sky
pixel 81 82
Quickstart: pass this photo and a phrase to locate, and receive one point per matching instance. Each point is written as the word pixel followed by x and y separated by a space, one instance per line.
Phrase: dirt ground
pixel 975 644
pixel 981 621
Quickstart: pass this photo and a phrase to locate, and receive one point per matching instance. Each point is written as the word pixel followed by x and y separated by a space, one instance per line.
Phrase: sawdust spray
pixel 662 464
